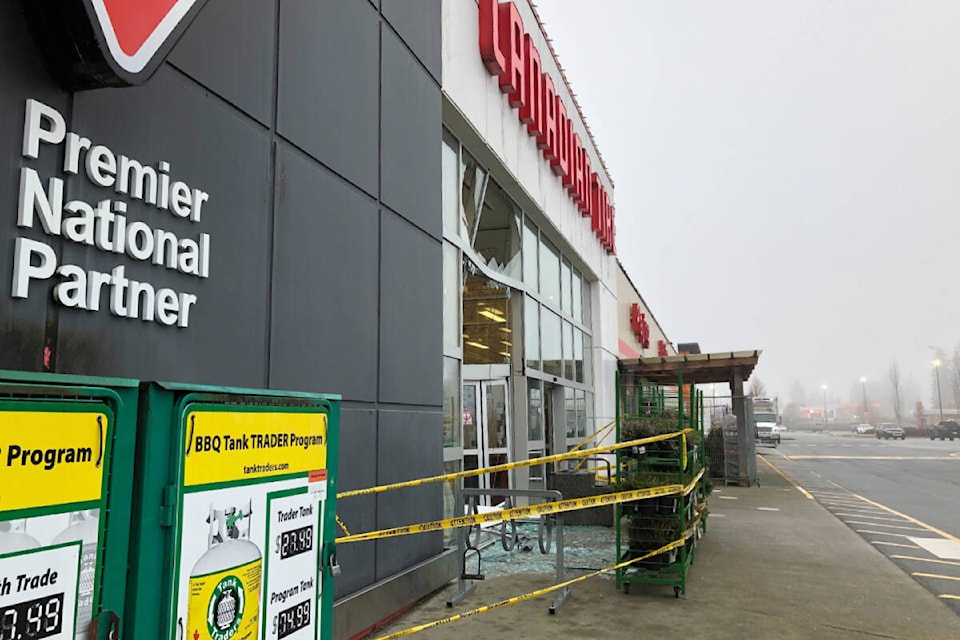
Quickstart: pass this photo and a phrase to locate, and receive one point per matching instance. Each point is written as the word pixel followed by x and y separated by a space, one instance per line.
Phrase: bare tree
pixel 757 389
pixel 955 378
pixel 896 391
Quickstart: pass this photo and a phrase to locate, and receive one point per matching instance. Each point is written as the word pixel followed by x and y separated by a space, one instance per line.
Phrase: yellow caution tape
pixel 540 592
pixel 599 435
pixel 530 462
pixel 545 508
pixel 683 449
pixel 342 526
pixel 693 483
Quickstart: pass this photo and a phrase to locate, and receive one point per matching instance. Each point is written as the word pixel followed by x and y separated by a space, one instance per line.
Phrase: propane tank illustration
pixel 84 526
pixel 14 537
pixel 224 596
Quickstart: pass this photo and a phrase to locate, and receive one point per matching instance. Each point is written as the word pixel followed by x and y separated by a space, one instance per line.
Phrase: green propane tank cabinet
pixel 234 515
pixel 66 474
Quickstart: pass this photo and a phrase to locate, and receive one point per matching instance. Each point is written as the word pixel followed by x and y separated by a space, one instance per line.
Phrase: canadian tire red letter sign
pixel 639 325
pixel 510 53
pixel 103 43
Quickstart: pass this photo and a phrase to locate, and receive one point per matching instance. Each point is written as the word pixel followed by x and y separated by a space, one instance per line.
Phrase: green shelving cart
pixel 676 521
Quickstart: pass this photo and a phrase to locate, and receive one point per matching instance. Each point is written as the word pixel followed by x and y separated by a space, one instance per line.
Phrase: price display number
pixel 294 542
pixel 292 620
pixel 32 620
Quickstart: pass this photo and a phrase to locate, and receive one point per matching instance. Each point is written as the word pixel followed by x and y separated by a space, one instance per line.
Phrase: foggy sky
pixel 787 175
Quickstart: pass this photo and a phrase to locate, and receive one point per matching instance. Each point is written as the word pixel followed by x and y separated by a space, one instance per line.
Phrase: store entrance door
pixel 486 429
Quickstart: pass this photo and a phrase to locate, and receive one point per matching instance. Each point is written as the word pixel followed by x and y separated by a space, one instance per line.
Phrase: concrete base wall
pixel 362 611
pixel 581 484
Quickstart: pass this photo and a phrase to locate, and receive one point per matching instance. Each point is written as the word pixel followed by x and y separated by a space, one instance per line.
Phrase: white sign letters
pixel 104 225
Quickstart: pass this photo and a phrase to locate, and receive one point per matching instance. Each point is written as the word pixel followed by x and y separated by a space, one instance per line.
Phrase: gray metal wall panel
pixel 21 77
pixel 209 116
pixel 230 48
pixel 358 437
pixel 408 447
pixel 329 85
pixel 325 282
pixel 210 147
pixel 419 25
pixel 411 284
pixel 411 143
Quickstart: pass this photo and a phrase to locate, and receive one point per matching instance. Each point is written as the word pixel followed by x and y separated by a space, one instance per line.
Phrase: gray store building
pixel 292 194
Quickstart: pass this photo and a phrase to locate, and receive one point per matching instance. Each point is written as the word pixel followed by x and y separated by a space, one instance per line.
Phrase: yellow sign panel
pixel 244 446
pixel 50 458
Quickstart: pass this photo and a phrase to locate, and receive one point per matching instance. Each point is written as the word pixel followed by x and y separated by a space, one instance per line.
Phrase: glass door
pixel 486 434
pixel 548 420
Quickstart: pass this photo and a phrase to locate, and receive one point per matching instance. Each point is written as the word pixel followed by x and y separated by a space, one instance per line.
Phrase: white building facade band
pixel 530 275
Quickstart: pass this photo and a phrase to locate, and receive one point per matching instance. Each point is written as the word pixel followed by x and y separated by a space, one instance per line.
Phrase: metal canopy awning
pixel 699 368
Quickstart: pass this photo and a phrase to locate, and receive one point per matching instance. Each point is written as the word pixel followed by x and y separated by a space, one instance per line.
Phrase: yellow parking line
pixel 889 526
pixel 934 575
pixel 919 523
pixel 884 533
pixel 913 520
pixel 934 560
pixel 894 544
pixel 787 478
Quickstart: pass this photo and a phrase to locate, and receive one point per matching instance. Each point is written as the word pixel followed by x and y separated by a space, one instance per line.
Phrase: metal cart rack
pixel 645 526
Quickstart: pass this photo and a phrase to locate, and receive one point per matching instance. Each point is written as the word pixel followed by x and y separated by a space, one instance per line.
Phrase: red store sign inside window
pixel 509 53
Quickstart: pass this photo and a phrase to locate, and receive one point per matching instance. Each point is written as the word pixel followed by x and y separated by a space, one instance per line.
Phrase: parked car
pixel 887 430
pixel 916 431
pixel 945 429
pixel 860 429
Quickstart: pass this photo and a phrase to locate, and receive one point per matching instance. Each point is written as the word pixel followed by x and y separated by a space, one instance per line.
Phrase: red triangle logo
pixel 97 43
pixel 136 31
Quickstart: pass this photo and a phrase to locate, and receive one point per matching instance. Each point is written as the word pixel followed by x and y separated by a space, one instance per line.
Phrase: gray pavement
pixel 900 496
pixel 773 564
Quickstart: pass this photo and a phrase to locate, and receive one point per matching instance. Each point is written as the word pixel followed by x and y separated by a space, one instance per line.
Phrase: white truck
pixel 766 420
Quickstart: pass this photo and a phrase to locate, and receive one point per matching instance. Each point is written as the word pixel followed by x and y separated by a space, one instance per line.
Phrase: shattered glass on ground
pixel 585 548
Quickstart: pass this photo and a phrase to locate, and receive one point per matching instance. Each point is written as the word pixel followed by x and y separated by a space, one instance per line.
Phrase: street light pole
pixel 824 387
pixel 863 385
pixel 936 367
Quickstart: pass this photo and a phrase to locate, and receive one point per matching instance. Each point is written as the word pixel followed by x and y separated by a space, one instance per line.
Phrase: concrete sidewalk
pixel 773 564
